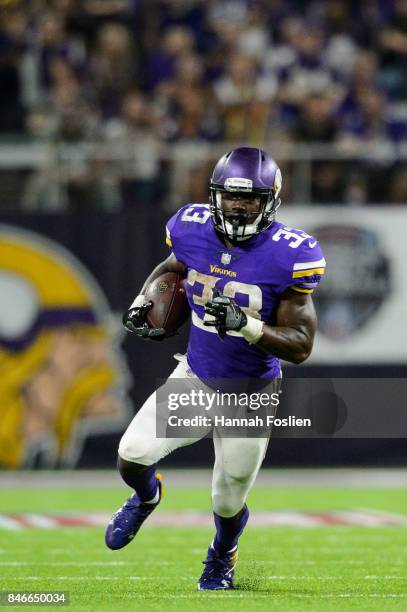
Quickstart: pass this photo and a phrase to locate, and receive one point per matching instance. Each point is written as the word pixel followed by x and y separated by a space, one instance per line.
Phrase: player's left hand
pixel 227 314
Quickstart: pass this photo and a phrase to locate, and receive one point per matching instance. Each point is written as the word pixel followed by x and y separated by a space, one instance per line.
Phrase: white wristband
pixel 139 301
pixel 253 330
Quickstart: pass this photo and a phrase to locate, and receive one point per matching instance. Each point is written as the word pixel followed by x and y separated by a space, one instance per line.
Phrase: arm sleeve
pixel 175 235
pixel 168 240
pixel 308 268
pixel 171 233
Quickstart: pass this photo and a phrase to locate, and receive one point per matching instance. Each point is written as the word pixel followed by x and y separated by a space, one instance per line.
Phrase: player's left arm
pixel 293 335
pixel 290 339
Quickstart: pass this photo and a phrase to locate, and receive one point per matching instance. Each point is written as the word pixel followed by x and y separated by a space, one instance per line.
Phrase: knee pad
pixel 138 451
pixel 227 505
pixel 241 460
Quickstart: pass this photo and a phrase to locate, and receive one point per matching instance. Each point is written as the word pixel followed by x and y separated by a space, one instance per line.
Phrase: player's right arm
pixel 135 318
pixel 171 264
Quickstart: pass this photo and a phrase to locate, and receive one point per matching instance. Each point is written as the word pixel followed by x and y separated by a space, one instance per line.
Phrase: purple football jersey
pixel 254 273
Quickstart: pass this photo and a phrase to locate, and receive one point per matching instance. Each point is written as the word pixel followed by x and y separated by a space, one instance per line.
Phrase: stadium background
pixel 112 113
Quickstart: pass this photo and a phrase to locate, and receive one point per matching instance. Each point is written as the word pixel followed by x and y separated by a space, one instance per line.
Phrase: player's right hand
pixel 135 321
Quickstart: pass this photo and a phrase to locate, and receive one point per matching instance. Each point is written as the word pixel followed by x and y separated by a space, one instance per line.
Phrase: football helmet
pixel 250 173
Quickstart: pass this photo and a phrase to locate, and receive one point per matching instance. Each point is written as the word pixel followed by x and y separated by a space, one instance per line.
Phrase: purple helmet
pixel 251 172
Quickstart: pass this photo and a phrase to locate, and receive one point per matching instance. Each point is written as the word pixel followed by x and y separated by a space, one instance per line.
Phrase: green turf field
pixel 316 569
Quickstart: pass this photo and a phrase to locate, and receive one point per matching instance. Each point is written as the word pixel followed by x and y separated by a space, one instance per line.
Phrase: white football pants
pixel 237 460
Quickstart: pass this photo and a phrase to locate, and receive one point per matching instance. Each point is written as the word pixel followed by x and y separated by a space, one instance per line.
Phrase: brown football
pixel 170 307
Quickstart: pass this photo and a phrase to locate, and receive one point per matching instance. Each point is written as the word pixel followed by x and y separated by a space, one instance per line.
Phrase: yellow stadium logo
pixel 62 371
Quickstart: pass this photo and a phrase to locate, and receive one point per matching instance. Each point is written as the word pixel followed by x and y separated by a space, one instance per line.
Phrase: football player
pixel 249 285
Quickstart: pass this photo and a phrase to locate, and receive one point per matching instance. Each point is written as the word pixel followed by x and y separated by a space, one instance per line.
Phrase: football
pixel 170 307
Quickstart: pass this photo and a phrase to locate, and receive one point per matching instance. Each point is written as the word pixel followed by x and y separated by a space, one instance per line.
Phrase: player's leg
pixel 138 454
pixel 237 462
pixel 139 451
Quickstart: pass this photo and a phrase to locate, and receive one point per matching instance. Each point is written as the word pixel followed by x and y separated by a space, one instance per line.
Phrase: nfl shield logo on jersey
pixel 226 258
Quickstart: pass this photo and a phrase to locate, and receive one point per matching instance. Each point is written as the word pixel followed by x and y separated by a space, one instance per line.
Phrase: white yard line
pixel 6 522
pixel 252 595
pixel 87 578
pixel 193 519
pixel 41 520
pixel 133 577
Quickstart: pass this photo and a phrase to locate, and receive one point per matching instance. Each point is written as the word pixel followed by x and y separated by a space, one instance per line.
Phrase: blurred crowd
pixel 123 80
